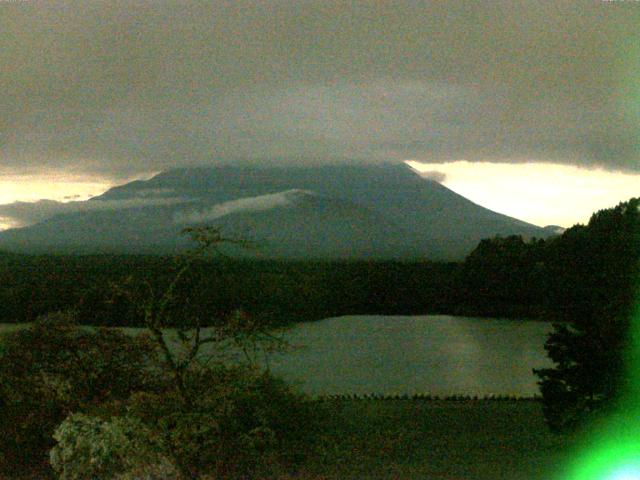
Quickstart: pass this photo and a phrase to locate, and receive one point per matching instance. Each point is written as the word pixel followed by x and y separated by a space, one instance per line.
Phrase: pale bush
pixel 117 448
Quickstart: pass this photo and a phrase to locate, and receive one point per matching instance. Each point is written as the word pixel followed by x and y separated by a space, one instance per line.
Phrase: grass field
pixel 403 439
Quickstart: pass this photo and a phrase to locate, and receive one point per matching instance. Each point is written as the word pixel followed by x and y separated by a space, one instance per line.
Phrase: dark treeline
pixel 583 273
pixel 554 279
pixel 281 292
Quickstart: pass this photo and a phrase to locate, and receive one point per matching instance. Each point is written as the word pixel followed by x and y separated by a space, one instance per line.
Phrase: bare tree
pixel 239 332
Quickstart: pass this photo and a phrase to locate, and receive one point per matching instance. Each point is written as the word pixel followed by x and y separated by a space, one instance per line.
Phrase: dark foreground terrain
pixel 405 439
pixel 430 439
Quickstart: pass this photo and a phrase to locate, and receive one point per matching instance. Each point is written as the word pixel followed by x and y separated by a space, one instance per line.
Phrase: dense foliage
pixel 155 405
pixel 506 277
pixel 117 447
pixel 241 423
pixel 55 367
pixel 107 406
pixel 595 268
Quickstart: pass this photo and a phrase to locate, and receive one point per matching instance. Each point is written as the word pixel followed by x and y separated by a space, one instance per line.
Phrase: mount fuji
pixel 313 212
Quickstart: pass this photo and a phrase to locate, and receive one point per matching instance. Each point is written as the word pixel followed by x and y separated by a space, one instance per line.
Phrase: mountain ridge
pixel 330 211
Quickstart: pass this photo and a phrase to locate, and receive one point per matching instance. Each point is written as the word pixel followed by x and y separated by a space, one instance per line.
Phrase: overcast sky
pixel 112 89
pixel 124 87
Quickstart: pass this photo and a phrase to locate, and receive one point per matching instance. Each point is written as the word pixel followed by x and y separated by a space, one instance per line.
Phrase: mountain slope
pixel 333 211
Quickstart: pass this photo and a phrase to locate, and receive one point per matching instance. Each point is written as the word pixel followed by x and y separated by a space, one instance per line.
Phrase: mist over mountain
pixel 318 212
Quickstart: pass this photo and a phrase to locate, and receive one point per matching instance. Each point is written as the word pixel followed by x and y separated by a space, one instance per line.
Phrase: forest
pixel 282 291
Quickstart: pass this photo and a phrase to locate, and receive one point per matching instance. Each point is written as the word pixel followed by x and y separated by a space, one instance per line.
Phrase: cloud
pixel 247 204
pixel 435 175
pixel 119 88
pixel 22 214
pixel 19 214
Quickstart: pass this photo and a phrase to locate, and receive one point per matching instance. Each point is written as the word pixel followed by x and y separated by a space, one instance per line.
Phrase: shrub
pixel 120 447
pixel 241 422
pixel 53 368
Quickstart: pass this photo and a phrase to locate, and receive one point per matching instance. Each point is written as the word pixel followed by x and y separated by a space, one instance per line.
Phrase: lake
pixel 433 354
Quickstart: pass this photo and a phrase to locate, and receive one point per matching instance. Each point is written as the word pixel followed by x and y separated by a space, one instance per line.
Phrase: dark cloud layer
pixel 123 87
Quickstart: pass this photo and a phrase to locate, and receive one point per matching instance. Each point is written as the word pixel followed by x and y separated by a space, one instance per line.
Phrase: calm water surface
pixel 434 354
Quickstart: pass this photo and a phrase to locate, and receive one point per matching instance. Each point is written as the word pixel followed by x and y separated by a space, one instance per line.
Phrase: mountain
pixel 336 211
pixel 553 230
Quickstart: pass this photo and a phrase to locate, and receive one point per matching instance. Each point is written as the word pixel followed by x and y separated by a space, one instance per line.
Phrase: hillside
pixel 324 212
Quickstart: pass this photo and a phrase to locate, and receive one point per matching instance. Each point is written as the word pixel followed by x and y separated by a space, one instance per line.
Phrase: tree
pixel 208 417
pixel 594 269
pixel 168 311
pixel 504 274
pixel 54 367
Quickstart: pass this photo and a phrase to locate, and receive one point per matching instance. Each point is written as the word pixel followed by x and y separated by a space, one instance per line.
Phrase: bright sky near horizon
pixel 537 192
pixel 30 188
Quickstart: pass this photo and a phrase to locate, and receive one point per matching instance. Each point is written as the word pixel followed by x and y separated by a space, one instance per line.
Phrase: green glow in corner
pixel 615 455
pixel 627 473
pixel 613 452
